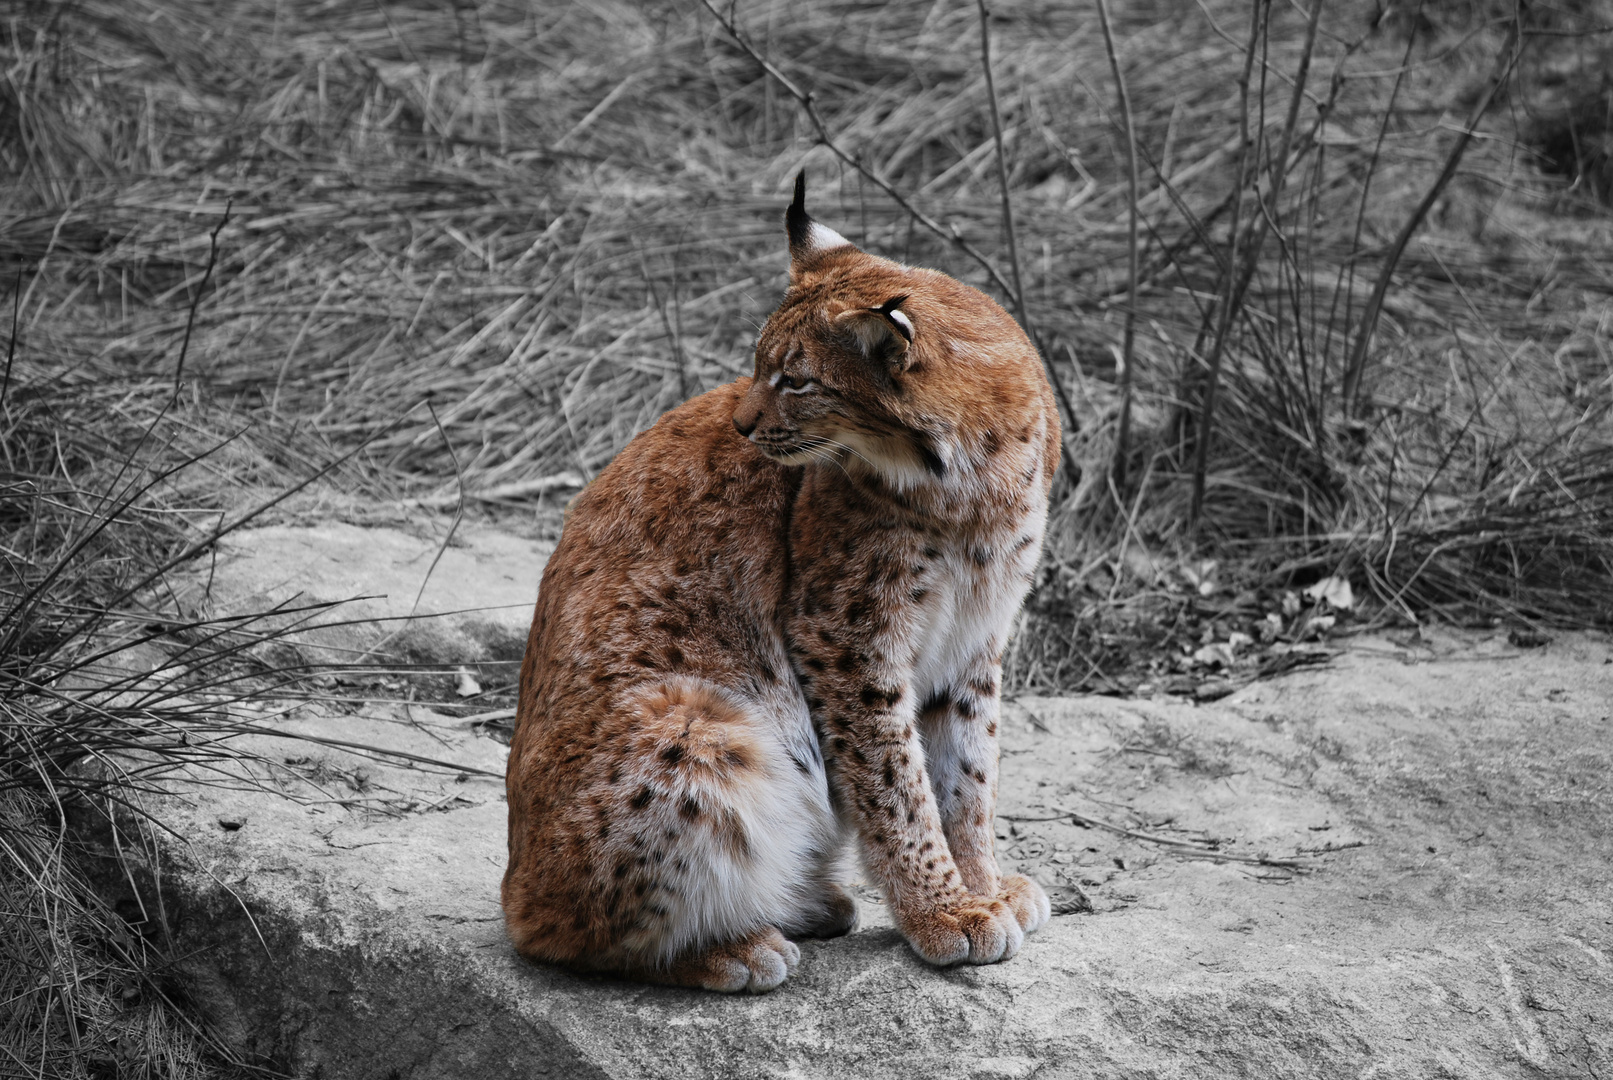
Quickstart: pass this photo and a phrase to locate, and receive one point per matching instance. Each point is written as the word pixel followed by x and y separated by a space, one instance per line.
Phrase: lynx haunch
pixel 775 622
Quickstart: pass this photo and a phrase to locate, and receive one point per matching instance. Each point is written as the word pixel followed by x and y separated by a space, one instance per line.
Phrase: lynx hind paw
pixel 757 963
pixel 1028 900
pixel 835 916
pixel 977 931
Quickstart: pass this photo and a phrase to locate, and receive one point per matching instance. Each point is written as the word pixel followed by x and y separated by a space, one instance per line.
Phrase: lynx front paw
pixel 975 929
pixel 1027 900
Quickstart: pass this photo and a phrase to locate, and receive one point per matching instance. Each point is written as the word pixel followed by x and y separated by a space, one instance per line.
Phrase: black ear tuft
pixel 808 238
pixel 796 223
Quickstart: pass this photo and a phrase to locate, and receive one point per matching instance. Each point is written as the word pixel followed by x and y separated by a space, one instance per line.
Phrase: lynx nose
pixel 745 418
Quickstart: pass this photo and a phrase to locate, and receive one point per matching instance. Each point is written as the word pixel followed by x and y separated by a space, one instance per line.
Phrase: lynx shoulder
pixel 773 629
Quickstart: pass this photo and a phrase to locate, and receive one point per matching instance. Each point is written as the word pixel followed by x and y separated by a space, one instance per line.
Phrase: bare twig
pixel 1018 294
pixel 1369 317
pixel 674 334
pixel 196 300
pixel 1280 165
pixel 1344 279
pixel 1194 849
pixel 1071 470
pixel 459 509
pixel 1128 347
pixel 804 97
pixel 489 717
pixel 11 348
pixel 1229 297
pixel 1269 211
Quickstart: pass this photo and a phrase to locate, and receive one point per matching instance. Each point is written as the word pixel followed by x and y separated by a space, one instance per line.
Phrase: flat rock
pixel 342 594
pixel 1394 866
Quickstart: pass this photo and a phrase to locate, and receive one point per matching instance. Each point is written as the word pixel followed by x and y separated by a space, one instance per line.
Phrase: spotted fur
pixel 777 620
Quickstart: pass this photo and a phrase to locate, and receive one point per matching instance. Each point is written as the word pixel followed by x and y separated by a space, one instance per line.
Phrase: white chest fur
pixel 971 600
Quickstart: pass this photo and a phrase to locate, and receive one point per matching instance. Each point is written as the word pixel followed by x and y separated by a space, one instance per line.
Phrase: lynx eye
pixel 793 382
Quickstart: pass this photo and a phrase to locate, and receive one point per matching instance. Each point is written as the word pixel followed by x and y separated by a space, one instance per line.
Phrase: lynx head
pixel 903 373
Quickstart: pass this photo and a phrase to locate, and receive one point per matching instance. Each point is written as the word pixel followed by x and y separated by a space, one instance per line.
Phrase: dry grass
pixel 556 223
pixel 107 686
pixel 85 994
pixel 552 222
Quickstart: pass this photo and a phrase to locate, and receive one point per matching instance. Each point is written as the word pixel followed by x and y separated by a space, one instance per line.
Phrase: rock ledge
pixel 1453 801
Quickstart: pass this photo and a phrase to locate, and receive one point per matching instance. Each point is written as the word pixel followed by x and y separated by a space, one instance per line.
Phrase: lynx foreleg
pixel 959 726
pixel 876 758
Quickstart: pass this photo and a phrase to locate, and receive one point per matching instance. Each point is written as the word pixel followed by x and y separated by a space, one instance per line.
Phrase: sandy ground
pixel 1399 865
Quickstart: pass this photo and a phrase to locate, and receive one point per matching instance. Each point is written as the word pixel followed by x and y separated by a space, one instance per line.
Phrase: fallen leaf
pixel 1201 575
pixel 1069 900
pixel 1335 592
pixel 466 684
pixel 1141 563
pixel 1316 626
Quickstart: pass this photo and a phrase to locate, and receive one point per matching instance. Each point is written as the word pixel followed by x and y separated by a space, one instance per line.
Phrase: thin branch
pixel 11 349
pixel 1070 468
pixel 1258 228
pixel 196 300
pixel 459 508
pixel 1195 849
pixel 805 99
pixel 1369 317
pixel 1018 295
pixel 517 489
pixel 1344 279
pixel 674 336
pixel 1229 299
pixel 1128 347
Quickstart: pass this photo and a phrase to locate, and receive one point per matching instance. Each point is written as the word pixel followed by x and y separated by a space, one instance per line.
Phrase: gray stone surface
pixel 389 592
pixel 1451 800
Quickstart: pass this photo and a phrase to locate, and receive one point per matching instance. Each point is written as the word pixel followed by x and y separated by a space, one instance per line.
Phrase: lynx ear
pixel 807 237
pixel 883 333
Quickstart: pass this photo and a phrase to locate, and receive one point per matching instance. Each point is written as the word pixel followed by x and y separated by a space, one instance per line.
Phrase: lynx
pixel 776 620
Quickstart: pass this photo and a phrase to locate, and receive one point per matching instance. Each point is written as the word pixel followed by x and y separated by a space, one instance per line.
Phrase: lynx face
pixel 884 369
pixel 829 379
